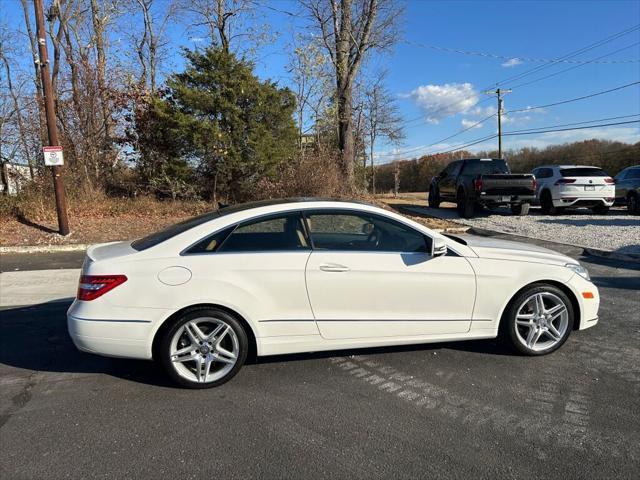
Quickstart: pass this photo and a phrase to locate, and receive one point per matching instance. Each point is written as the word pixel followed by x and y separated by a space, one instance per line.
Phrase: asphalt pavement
pixel 450 410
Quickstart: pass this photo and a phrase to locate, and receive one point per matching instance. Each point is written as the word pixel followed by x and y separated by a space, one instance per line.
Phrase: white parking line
pixel 569 431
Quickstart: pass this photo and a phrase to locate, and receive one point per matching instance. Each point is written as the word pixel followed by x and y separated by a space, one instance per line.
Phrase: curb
pixel 45 248
pixel 625 257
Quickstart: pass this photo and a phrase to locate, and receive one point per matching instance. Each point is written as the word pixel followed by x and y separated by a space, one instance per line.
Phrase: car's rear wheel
pixel 633 206
pixel 546 203
pixel 434 198
pixel 521 209
pixel 538 320
pixel 464 204
pixel 601 210
pixel 203 348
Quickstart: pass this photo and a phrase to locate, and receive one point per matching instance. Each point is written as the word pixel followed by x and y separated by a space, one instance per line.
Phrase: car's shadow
pixel 35 338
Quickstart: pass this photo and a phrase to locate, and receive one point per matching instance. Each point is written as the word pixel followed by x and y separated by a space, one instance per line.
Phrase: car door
pixel 622 185
pixel 447 183
pixel 258 268
pixel 371 276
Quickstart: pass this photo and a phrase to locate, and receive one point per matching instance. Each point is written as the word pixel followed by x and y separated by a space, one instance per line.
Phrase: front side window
pixel 633 174
pixel 360 231
pixel 276 233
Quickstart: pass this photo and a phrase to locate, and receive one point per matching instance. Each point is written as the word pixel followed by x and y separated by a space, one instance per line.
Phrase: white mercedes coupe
pixel 306 275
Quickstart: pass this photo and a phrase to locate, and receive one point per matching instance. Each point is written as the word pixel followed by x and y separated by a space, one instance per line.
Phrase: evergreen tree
pixel 224 122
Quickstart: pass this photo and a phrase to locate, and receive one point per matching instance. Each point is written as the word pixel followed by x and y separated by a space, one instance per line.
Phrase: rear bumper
pixel 583 202
pixel 128 336
pixel 505 199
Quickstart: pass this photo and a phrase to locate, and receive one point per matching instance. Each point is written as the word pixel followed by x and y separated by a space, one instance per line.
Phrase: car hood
pixel 487 247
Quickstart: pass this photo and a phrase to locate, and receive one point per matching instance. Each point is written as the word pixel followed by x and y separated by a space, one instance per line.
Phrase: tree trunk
pixel 345 132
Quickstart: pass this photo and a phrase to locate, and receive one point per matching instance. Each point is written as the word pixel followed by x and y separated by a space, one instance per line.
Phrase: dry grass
pixel 30 220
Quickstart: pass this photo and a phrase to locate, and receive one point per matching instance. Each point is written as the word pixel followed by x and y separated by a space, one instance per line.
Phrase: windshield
pixel 485 167
pixel 583 172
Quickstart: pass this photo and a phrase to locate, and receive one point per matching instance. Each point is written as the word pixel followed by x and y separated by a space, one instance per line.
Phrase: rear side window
pixel 485 167
pixel 278 233
pixel 169 232
pixel 583 172
pixel 543 173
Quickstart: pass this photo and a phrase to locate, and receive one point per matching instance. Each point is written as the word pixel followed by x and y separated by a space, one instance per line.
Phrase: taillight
pixel 564 181
pixel 94 286
pixel 477 184
pixel 534 183
pixel 609 180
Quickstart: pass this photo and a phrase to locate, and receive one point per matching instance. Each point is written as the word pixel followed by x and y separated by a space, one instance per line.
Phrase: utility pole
pixel 498 93
pixel 52 130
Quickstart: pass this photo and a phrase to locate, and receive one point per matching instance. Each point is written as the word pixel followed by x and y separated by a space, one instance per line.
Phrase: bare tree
pixel 14 94
pixel 223 19
pixel 349 30
pixel 307 66
pixel 149 45
pixel 383 120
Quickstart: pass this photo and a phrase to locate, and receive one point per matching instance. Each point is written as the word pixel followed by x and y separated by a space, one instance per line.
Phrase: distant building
pixel 14 178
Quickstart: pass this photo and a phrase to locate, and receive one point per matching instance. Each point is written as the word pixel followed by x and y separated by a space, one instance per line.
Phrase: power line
pixel 572 54
pixel 422 147
pixel 516 133
pixel 512 57
pixel 575 66
pixel 576 123
pixel 548 129
pixel 512 111
pixel 533 70
pixel 573 99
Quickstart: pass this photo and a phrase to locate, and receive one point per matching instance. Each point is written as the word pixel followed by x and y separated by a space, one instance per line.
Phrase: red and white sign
pixel 53 156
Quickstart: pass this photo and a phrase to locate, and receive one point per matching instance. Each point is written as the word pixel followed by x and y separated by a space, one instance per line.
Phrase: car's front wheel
pixel 520 209
pixel 538 320
pixel 633 206
pixel 434 197
pixel 203 348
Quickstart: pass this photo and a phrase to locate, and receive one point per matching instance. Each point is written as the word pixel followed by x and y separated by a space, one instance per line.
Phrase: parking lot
pixel 618 231
pixel 454 410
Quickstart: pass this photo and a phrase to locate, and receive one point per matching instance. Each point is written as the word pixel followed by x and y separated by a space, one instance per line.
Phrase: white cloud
pixel 512 62
pixel 441 101
pixel 466 123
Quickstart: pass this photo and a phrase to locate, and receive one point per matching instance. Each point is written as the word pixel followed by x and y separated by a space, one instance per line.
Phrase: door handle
pixel 333 267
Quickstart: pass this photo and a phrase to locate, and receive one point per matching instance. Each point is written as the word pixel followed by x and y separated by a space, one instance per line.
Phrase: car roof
pixel 241 207
pixel 569 166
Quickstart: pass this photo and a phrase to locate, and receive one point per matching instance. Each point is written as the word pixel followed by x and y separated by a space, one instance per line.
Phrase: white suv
pixel 573 186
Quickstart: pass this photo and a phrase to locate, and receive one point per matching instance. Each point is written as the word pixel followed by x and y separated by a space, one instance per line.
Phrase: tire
pixel 546 204
pixel 225 353
pixel 434 198
pixel 464 205
pixel 521 209
pixel 600 210
pixel 633 205
pixel 529 333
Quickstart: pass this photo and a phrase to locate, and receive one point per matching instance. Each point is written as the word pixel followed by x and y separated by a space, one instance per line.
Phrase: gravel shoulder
pixel 616 232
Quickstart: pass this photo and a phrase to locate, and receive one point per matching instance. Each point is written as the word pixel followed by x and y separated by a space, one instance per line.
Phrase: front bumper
pixel 588 315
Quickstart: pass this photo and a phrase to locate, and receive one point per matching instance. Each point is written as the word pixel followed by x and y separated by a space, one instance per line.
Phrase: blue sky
pixel 438 91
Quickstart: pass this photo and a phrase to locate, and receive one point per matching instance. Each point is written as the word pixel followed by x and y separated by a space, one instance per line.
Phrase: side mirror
pixel 439 248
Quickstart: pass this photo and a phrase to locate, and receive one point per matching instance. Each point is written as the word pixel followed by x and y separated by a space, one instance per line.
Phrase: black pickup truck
pixel 477 182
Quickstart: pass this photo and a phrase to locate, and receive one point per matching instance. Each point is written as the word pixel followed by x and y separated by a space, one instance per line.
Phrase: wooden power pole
pixel 498 93
pixel 49 106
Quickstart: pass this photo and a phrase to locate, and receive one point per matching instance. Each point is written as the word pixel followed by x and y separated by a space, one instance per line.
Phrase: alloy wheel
pixel 204 349
pixel 542 321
